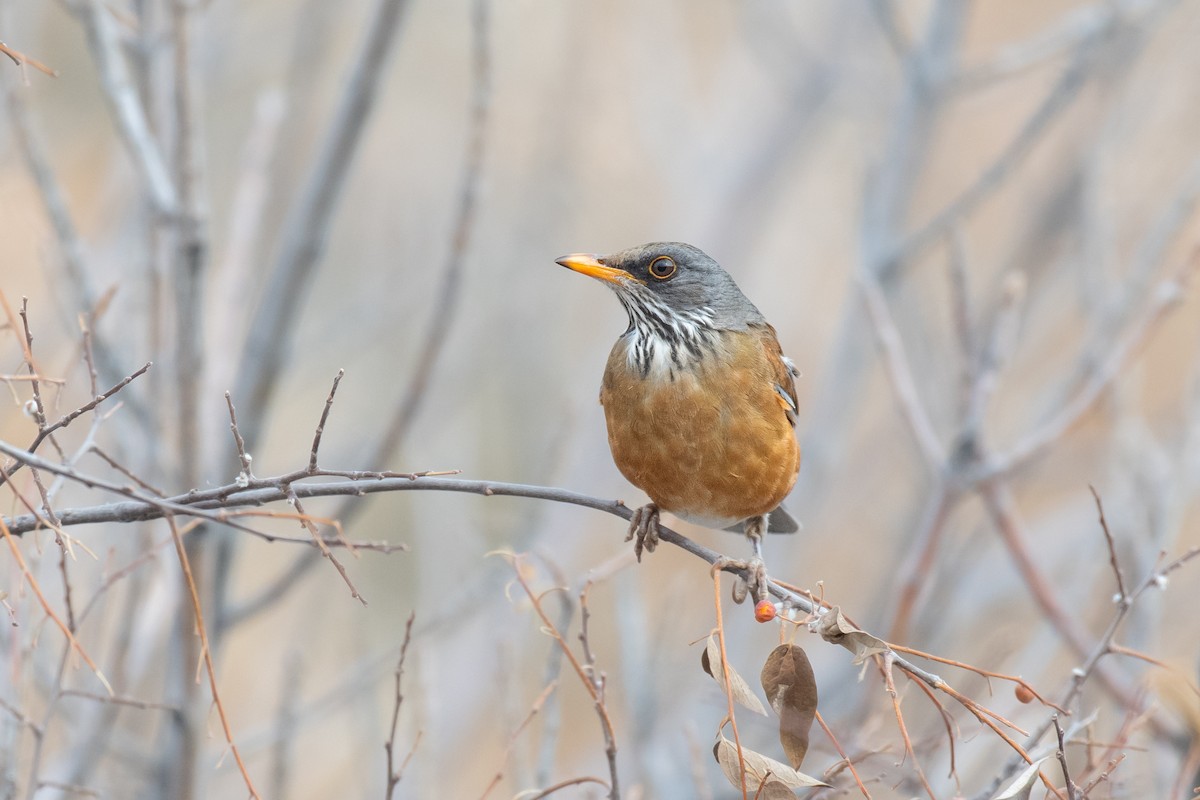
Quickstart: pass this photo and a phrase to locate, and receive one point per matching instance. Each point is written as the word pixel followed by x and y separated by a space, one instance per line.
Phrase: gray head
pixel 670 276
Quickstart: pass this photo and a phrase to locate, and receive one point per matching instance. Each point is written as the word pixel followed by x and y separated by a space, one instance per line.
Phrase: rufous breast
pixel 712 442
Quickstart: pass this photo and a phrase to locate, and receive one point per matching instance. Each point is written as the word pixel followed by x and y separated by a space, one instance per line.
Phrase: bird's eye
pixel 662 268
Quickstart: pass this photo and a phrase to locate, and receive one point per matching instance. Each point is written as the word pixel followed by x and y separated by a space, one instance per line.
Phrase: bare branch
pixel 20 59
pixel 899 371
pixel 394 772
pixel 238 441
pixel 443 310
pixel 316 445
pixel 207 653
pixel 1122 595
pixel 1072 789
pixel 126 107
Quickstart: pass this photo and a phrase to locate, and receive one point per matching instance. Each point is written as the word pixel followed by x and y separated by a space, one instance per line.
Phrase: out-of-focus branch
pixel 1057 100
pixel 308 222
pixel 444 307
pixel 899 371
pixel 1076 29
pixel 191 251
pixel 1168 295
pixel 126 107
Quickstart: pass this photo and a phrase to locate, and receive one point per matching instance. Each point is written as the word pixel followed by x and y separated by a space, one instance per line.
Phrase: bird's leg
pixel 754 581
pixel 756 569
pixel 643 529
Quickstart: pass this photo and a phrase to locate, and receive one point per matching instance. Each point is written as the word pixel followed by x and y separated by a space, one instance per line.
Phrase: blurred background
pixel 970 222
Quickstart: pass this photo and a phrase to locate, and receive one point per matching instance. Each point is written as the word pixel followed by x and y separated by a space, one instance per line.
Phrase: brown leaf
pixel 759 770
pixel 710 661
pixel 774 790
pixel 836 629
pixel 791 689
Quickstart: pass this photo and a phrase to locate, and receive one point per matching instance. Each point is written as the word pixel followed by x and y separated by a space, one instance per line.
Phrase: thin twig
pixel 319 540
pixel 201 631
pixel 394 773
pixel 1072 789
pixel 987 673
pixel 238 441
pixel 599 680
pixel 533 712
pixel 131 702
pixel 606 725
pixel 564 785
pixel 37 590
pixel 1103 776
pixel 1081 674
pixel 316 445
pixel 845 758
pixel 20 59
pixel 890 685
pixel 947 721
pixel 983 715
pixel 1122 595
pixel 67 419
pixel 1001 505
pixel 128 473
pixel 725 679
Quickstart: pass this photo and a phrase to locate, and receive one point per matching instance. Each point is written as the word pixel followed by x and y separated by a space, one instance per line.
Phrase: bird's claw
pixel 750 577
pixel 643 530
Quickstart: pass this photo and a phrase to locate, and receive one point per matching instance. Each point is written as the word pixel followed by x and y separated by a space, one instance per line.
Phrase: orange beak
pixel 588 264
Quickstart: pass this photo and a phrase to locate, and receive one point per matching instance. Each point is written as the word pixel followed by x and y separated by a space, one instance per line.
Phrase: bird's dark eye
pixel 662 268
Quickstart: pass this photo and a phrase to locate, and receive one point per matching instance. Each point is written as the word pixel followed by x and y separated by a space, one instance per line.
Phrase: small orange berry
pixel 1023 693
pixel 764 611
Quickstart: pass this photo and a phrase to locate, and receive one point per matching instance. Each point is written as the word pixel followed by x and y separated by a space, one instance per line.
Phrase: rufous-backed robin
pixel 699 399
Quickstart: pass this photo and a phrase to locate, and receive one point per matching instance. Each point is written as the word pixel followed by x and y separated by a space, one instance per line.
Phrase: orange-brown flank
pixel 713 444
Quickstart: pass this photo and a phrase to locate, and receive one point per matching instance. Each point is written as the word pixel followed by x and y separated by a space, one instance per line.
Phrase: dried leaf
pixel 791 689
pixel 759 769
pixel 1022 785
pixel 774 790
pixel 836 629
pixel 710 661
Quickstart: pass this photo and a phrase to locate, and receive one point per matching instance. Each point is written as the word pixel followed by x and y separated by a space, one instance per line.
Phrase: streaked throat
pixel 662 342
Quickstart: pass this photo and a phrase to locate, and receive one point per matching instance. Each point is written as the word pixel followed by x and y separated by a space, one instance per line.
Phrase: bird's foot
pixel 753 581
pixel 751 577
pixel 643 530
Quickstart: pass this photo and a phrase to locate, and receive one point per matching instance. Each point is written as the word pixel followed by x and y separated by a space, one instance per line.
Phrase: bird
pixel 698 397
